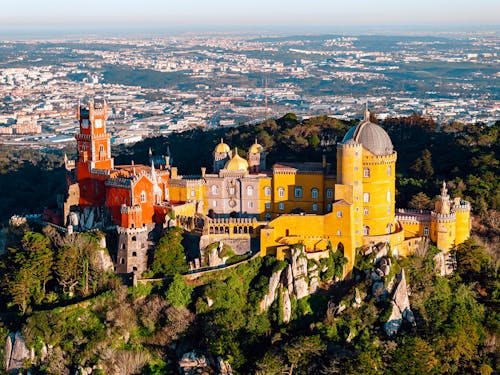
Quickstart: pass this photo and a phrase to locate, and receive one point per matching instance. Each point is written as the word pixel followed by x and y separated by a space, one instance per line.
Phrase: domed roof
pixel 222 147
pixel 236 163
pixel 256 148
pixel 371 136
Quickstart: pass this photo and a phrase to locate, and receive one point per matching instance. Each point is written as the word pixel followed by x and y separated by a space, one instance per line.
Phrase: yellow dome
pixel 236 163
pixel 222 147
pixel 256 148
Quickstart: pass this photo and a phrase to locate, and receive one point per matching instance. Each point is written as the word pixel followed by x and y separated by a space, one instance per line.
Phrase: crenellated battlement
pixel 131 231
pixel 130 209
pixel 239 221
pixel 444 218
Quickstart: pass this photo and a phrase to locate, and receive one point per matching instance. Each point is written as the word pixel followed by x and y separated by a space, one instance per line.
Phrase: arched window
pixel 134 238
pixel 250 190
pixel 366 230
pixel 143 196
pixel 281 206
pixel 215 189
pixel 268 217
pixel 366 211
pixel 267 191
pixel 389 228
pixel 389 170
pixel 281 192
pixel 122 260
pixel 134 253
pixel 366 197
pixel 314 193
pixel 366 172
pixel 329 193
pixel 388 196
pixel 339 233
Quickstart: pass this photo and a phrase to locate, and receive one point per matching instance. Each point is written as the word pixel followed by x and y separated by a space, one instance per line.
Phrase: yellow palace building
pixel 307 203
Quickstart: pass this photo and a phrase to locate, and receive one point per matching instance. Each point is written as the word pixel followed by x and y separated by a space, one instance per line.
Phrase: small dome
pixel 222 147
pixel 256 148
pixel 372 137
pixel 236 163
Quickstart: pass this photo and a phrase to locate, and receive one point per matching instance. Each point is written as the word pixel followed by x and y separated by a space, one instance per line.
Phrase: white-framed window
pixel 297 192
pixel 281 206
pixel 314 193
pixel 250 190
pixel 339 213
pixel 268 205
pixel 214 203
pixel 366 230
pixel 281 192
pixel 267 191
pixel 426 231
pixel 329 193
pixel 232 191
pixel 215 190
pixel 193 193
pixel 388 195
pixel 366 197
pixel 366 172
pixel 250 204
pixel 366 212
pixel 315 207
pixel 339 233
pixel 389 170
pixel 143 196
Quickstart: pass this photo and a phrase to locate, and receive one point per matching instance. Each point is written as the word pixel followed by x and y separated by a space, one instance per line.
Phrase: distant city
pixel 155 86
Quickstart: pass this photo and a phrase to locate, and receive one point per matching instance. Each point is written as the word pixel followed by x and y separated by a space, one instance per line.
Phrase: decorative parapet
pixel 130 209
pixel 239 221
pixel 463 206
pixel 128 231
pixel 380 159
pixel 349 144
pixel 442 218
pixel 119 182
pixel 229 173
pixel 102 172
pixel 89 137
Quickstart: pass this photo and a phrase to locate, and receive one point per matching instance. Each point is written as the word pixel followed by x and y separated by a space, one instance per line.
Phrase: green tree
pixel 169 257
pixel 423 165
pixel 178 292
pixel 421 201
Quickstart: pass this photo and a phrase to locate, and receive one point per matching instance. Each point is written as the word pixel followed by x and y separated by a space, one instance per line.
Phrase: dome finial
pixel 367 111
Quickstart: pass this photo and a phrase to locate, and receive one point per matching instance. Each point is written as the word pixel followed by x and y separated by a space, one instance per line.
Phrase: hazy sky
pixel 224 14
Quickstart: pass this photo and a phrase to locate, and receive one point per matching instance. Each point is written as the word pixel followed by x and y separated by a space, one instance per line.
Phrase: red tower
pixel 94 153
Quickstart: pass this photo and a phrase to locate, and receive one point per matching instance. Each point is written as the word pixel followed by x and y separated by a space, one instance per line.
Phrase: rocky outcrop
pixel 400 307
pixel 224 367
pixel 193 363
pixel 16 352
pixel 270 296
pixel 444 263
pixel 287 306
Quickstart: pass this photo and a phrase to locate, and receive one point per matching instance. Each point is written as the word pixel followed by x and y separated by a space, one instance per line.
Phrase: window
pixel 249 191
pixel 101 149
pixel 214 203
pixel 281 206
pixel 426 231
pixel 122 260
pixel 193 193
pixel 388 228
pixel 267 191
pixel 268 217
pixel 366 172
pixel 297 192
pixel 134 268
pixel 389 171
pixel 366 211
pixel 366 230
pixel 232 190
pixel 339 233
pixel 268 205
pixel 281 192
pixel 388 196
pixel 366 197
pixel 329 207
pixel 314 193
pixel 250 204
pixel 134 238
pixel 215 189
pixel 339 213
pixel 143 196
pixel 134 253
pixel 329 193
pixel 315 207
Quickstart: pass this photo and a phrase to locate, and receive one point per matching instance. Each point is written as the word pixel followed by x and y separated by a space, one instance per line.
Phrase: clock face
pixel 98 123
pixel 85 124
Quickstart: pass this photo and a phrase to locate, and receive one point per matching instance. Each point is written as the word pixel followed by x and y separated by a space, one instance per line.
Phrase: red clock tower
pixel 94 160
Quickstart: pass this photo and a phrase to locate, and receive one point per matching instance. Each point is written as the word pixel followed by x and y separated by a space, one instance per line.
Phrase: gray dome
pixel 372 137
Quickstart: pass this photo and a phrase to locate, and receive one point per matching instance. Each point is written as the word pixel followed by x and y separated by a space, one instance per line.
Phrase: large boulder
pixel 287 306
pixel 16 352
pixel 270 296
